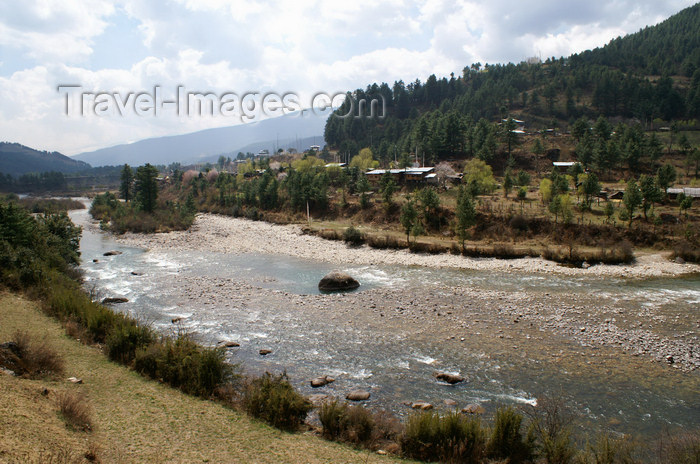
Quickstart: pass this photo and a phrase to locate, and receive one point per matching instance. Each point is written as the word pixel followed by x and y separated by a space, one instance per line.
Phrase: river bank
pixel 234 235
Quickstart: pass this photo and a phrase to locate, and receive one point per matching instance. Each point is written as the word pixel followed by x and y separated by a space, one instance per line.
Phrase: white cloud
pixel 304 46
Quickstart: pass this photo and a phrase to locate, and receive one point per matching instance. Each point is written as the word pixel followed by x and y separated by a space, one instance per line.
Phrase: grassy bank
pixel 134 419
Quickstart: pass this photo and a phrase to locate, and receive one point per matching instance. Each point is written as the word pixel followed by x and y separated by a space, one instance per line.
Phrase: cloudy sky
pixel 231 46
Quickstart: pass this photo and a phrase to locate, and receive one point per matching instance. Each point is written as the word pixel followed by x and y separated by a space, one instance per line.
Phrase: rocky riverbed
pixel 619 344
pixel 234 235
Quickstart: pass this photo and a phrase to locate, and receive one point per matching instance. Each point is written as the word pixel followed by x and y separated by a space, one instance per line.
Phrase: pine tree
pixel 126 189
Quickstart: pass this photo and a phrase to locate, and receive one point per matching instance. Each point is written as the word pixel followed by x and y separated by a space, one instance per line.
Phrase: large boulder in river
pixel 321 381
pixel 449 378
pixel 112 253
pixel 357 395
pixel 337 281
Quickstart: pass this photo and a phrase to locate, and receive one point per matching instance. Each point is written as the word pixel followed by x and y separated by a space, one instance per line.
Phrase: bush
pixel 184 364
pixel 125 339
pixel 26 357
pixel 687 251
pixel 450 438
pixel 274 400
pixel 75 410
pixel 506 441
pixel 610 450
pixel 352 424
pixel 353 236
pixel 680 448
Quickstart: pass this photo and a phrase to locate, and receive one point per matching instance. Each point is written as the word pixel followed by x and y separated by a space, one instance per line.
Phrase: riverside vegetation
pixel 46 272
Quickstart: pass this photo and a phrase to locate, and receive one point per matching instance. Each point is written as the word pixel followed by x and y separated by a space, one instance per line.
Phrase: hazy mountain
pixel 203 145
pixel 16 159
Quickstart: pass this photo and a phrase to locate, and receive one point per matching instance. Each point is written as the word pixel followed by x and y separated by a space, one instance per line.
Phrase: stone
pixel 450 402
pixel 74 380
pixel 337 281
pixel 422 405
pixel 679 260
pixel 265 352
pixel 321 381
pixel 585 265
pixel 175 320
pixel 669 359
pixel 95 260
pixel 357 395
pixel 232 344
pixel 115 300
pixel 112 253
pixel 381 452
pixel 473 409
pixel 318 399
pixel 449 378
pixel 134 273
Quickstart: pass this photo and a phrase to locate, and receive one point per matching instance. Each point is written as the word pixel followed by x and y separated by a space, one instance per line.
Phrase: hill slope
pixel 203 145
pixel 438 116
pixel 136 420
pixel 16 159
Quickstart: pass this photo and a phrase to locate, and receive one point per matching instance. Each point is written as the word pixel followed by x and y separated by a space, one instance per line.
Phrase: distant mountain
pixel 203 145
pixel 16 159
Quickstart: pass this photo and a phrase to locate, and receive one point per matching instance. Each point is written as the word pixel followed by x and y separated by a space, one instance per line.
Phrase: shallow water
pixel 396 357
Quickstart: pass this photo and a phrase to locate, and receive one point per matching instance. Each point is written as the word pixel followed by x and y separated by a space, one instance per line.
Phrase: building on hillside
pixel 408 175
pixel 315 148
pixel 563 165
pixel 687 191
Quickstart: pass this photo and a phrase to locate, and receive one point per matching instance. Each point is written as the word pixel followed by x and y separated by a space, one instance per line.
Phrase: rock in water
pixel 449 378
pixel 473 409
pixel 357 395
pixel 115 300
pixel 264 352
pixel 422 405
pixel 321 381
pixel 337 281
pixel 112 253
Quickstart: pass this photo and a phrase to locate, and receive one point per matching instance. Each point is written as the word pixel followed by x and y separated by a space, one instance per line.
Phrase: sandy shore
pixel 233 235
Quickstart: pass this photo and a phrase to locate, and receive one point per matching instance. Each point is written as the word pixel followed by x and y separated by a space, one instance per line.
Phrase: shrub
pixel 687 251
pixel 125 338
pixel 506 441
pixel 680 448
pixel 551 423
pixel 29 358
pixel 609 450
pixel 352 424
pixel 274 400
pixel 450 438
pixel 353 236
pixel 76 411
pixel 184 364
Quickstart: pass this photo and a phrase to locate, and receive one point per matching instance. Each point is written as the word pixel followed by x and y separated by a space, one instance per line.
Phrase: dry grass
pixel 31 358
pixel 76 410
pixel 134 419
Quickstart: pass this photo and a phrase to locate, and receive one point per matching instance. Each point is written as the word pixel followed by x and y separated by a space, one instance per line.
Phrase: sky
pixel 116 50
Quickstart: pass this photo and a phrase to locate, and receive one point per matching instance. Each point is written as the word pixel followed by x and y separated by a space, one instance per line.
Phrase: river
pixel 514 336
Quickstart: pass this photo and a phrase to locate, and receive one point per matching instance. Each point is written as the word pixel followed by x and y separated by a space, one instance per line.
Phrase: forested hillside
pixel 16 160
pixel 650 78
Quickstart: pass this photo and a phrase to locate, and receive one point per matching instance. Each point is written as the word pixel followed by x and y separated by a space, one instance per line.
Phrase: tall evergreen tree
pixel 126 188
pixel 147 187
